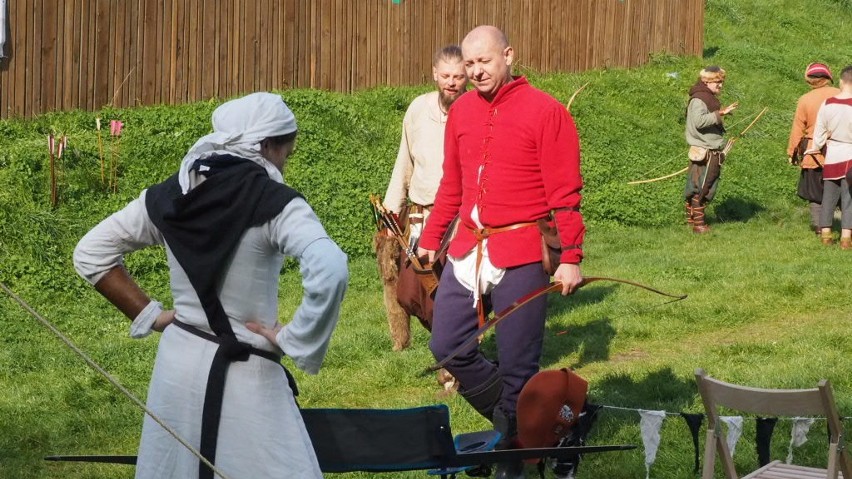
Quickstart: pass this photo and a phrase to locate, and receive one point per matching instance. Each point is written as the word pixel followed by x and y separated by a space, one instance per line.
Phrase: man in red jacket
pixel 511 157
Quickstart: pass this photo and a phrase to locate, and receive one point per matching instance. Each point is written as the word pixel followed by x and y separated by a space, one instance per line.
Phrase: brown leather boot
pixel 698 225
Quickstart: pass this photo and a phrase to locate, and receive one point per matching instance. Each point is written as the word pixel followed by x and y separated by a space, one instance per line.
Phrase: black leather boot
pixel 507 425
pixel 484 397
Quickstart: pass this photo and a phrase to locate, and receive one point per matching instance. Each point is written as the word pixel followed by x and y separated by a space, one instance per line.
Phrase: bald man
pixel 511 158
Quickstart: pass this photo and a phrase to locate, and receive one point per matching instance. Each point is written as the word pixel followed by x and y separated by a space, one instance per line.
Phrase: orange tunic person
pixel 819 78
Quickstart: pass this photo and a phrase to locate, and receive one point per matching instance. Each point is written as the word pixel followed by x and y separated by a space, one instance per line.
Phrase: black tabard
pixel 202 230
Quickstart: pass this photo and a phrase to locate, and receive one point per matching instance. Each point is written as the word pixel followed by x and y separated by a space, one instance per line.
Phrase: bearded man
pixel 415 177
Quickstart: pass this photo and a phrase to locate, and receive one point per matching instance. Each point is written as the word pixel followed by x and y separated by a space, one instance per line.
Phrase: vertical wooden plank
pixel 59 69
pixel 325 53
pixel 176 24
pixel 5 83
pixel 164 51
pixel 252 58
pixel 193 50
pixel 131 74
pixel 588 45
pixel 48 82
pixel 137 49
pixel 330 45
pixel 149 52
pixel 17 68
pixel 19 13
pixel 157 51
pixel 109 74
pixel 235 59
pixel 424 17
pixel 36 71
pixel 699 28
pixel 266 40
pixel 631 24
pixel 209 12
pixel 75 60
pixel 273 79
pixel 376 30
pixel 313 44
pixel 289 52
pixel 392 43
pixel 556 42
pixel 349 45
pixel 93 69
pixel 306 45
pixel 99 71
pixel 345 42
pixel 119 50
pixel 618 27
pixel 366 55
pixel 220 74
pixel 26 26
pixel 384 31
pixel 359 59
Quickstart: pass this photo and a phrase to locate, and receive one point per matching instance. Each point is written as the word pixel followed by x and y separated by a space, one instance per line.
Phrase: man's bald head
pixel 487 59
pixel 487 33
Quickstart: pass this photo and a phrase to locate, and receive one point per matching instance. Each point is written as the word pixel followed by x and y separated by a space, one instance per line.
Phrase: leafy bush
pixel 630 123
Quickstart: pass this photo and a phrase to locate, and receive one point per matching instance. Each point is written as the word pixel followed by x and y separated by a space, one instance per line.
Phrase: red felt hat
pixel 818 70
pixel 549 406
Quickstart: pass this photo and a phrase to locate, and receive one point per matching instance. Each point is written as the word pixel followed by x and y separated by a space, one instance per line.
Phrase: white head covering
pixel 238 128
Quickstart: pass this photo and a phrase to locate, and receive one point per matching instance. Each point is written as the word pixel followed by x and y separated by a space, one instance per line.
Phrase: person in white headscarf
pixel 226 220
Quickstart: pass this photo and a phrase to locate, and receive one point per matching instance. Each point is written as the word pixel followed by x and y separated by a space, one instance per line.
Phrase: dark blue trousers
pixel 519 337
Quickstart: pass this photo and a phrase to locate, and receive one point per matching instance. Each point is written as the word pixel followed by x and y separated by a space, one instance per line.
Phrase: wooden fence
pixel 67 54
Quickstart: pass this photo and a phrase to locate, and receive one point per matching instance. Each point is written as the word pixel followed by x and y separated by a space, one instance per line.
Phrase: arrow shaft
pixel 92 364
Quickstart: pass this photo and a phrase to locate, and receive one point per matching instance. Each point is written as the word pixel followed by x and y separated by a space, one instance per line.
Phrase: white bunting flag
pixel 650 424
pixel 735 430
pixel 799 434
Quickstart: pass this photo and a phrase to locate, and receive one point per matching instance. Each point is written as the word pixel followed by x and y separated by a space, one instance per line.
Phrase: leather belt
pixel 481 234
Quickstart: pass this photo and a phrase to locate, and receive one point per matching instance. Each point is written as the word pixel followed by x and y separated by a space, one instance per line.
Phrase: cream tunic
pixel 261 434
pixel 419 162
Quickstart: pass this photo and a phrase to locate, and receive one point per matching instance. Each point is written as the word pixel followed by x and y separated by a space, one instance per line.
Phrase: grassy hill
pixel 767 304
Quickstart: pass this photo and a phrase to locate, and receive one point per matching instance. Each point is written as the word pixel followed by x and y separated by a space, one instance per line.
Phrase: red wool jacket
pixel 526 147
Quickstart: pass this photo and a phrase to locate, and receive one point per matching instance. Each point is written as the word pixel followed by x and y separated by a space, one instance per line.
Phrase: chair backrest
pixel 817 401
pixel 380 440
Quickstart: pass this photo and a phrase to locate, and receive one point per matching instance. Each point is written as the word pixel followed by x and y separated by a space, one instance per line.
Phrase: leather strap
pixel 215 339
pixel 481 234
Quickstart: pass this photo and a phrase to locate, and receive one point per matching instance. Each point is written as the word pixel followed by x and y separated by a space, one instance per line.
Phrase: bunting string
pixel 651 422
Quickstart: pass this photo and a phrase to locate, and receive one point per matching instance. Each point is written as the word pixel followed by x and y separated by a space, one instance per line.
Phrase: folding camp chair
pixel 387 440
pixel 771 402
pixel 392 440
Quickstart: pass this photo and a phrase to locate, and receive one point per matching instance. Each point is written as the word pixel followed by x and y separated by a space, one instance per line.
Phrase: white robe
pixel 261 434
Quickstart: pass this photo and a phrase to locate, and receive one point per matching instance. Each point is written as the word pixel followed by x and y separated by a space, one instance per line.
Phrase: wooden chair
pixel 818 401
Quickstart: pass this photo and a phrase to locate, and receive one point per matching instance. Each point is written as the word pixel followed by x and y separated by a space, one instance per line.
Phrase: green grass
pixel 768 305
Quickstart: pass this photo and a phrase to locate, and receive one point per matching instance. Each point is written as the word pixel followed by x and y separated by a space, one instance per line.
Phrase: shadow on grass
pixel 736 210
pixel 660 389
pixel 592 340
